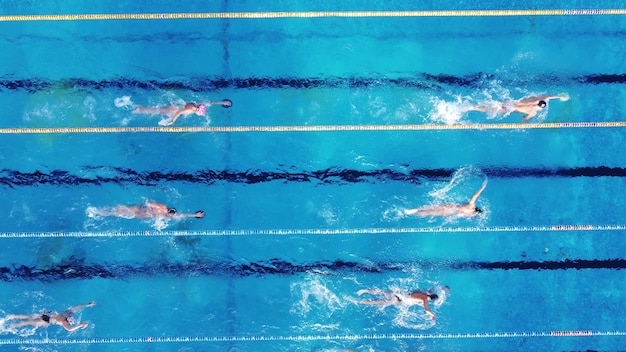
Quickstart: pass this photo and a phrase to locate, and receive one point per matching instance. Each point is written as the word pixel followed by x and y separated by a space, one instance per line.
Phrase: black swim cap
pixel 228 101
pixel 478 210
pixel 45 317
pixel 542 104
pixel 171 211
pixel 433 296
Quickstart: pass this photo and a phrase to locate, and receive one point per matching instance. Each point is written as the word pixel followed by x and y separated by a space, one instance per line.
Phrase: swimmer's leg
pixel 421 211
pixel 411 211
pixel 475 108
pixel 170 110
pixel 373 292
pixel 31 322
pixel 17 316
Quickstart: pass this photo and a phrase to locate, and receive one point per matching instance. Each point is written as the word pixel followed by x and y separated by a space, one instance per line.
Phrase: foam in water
pixel 90 105
pixel 448 112
pixel 93 212
pixel 124 102
pixel 461 177
pixel 314 293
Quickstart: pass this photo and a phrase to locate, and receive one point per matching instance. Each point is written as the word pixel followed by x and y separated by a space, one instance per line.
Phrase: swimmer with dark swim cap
pixel 66 319
pixel 393 298
pixel 467 210
pixel 528 106
pixel 148 211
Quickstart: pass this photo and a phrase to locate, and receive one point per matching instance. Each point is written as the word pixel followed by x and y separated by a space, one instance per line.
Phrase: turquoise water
pixel 352 184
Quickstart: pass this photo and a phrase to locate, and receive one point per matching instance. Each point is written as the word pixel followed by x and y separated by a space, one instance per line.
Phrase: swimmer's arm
pixel 472 201
pixel 183 111
pixel 529 116
pixel 153 204
pixel 82 306
pixel 178 113
pixel 17 316
pixel 548 97
pixel 70 328
pixel 430 312
pixel 199 214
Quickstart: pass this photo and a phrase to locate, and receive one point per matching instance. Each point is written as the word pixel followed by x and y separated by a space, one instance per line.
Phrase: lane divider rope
pixel 335 337
pixel 315 128
pixel 316 232
pixel 310 14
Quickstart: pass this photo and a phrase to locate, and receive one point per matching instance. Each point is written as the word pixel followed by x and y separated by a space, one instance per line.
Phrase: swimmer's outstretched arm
pixel 78 307
pixel 70 328
pixel 226 103
pixel 535 100
pixel 563 97
pixel 472 201
pixel 199 215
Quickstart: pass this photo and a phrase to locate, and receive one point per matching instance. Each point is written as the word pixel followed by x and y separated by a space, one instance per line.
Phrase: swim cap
pixel 202 109
pixel 171 211
pixel 542 104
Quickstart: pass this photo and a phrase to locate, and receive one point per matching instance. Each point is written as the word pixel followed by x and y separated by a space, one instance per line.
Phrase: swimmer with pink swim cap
pixel 201 110
pixel 175 111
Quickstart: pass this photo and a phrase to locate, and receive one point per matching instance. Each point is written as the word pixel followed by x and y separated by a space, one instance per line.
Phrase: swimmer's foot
pixel 410 211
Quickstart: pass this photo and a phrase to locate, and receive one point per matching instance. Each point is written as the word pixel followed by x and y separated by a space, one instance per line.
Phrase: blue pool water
pixel 297 222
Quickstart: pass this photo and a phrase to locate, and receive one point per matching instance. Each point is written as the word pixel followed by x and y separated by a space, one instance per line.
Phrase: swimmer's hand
pixel 90 304
pixel 564 97
pixel 166 122
pixel 83 324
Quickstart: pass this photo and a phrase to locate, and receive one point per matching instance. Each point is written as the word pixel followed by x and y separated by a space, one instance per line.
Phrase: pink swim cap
pixel 202 109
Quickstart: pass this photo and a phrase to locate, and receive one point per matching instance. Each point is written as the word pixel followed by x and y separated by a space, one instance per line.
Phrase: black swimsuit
pixel 45 318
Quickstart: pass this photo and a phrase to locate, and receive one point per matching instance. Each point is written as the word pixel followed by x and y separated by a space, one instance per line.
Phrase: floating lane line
pixel 328 337
pixel 315 232
pixel 313 128
pixel 311 14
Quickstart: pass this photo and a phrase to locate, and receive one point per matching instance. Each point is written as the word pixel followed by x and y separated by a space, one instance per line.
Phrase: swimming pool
pixel 360 118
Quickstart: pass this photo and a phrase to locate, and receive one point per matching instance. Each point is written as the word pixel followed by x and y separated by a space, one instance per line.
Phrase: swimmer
pixel 529 106
pixel 148 211
pixel 65 319
pixel 392 298
pixel 461 210
pixel 175 111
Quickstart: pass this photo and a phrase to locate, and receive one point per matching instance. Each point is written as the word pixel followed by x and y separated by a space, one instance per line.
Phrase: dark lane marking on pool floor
pixel 79 269
pixel 116 175
pixel 204 84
